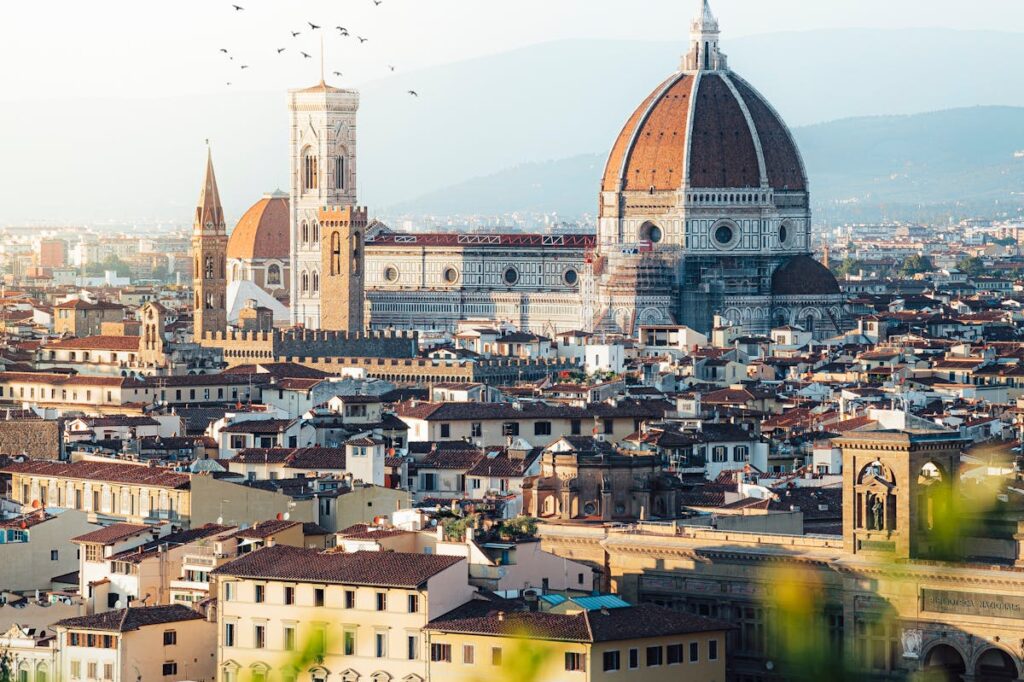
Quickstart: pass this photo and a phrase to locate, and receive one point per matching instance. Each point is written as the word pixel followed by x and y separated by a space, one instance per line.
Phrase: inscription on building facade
pixel 972 604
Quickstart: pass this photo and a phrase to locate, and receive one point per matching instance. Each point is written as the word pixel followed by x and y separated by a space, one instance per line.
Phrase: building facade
pixel 913 584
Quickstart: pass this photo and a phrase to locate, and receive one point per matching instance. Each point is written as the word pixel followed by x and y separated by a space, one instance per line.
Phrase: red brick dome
pixel 702 130
pixel 262 233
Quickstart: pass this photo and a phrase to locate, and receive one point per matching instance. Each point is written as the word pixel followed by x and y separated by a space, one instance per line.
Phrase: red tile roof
pixel 113 472
pixel 382 569
pixel 115 343
pixel 125 620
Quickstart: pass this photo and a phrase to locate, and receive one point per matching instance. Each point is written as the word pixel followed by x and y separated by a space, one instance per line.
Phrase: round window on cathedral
pixel 724 235
pixel 570 277
pixel 391 273
pixel 651 233
pixel 451 275
pixel 510 276
pixel 783 234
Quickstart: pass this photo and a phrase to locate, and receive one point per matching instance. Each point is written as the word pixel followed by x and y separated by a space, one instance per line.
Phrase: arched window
pixel 304 282
pixel 335 253
pixel 339 172
pixel 274 275
pixel 310 170
pixel 316 232
pixel 305 232
pixel 209 268
pixel 356 246
pixel 809 323
pixel 316 282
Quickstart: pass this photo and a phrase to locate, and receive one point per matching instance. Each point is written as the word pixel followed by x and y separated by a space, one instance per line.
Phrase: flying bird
pixel 280 50
pixel 313 26
pixel 224 50
pixel 295 33
pixel 362 39
pixel 306 55
pixel 377 2
pixel 342 30
pixel 414 93
pixel 245 66
pixel 338 74
pixel 229 82
pixel 238 8
pixel 391 67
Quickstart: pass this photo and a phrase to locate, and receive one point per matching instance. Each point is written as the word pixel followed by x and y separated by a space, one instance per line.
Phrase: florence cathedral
pixel 703 211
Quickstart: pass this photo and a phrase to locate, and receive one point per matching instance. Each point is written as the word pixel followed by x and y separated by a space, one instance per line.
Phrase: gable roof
pixel 131 618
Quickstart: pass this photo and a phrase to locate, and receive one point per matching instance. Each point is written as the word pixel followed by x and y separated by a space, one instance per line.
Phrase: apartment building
pixel 137 645
pixel 34 547
pixel 362 613
pixel 112 491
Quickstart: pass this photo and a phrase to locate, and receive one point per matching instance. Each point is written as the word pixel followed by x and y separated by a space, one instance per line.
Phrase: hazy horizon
pixel 111 69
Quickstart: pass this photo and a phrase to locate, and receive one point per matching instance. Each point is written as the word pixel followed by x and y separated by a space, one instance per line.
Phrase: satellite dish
pixel 287 516
pixel 220 520
pixel 433 522
pixel 280 516
pixel 117 604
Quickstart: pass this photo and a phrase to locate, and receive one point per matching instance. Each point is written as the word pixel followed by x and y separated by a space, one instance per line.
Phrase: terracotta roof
pixel 703 120
pixel 132 618
pixel 383 569
pixel 262 232
pixel 258 426
pixel 122 343
pixel 294 458
pixel 112 533
pixel 51 379
pixel 137 554
pixel 114 472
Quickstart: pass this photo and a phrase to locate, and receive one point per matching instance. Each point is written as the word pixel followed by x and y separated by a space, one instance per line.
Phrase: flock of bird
pixel 342 32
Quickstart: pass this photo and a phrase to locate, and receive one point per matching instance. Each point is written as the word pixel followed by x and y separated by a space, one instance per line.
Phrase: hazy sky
pixel 151 48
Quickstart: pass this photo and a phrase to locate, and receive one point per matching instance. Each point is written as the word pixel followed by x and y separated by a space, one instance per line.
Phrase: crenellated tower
pixel 209 255
pixel 342 264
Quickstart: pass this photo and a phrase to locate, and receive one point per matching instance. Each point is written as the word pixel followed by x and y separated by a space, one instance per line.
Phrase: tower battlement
pixel 343 216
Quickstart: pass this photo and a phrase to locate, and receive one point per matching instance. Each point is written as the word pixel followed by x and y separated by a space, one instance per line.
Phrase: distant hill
pixel 141 158
pixel 912 167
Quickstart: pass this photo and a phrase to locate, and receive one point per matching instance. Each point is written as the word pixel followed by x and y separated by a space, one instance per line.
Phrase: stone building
pixel 342 266
pixel 913 584
pixel 587 478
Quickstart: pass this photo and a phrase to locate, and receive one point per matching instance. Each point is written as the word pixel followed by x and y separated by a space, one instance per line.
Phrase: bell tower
pixel 209 256
pixel 323 173
pixel 899 493
pixel 342 263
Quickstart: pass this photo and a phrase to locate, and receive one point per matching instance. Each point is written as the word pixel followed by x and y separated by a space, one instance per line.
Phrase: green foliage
pixel 972 265
pixel 519 527
pixel 112 262
pixel 6 671
pixel 847 267
pixel 916 264
pixel 455 529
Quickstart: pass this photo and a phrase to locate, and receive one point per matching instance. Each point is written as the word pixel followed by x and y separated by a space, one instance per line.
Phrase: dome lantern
pixel 704 54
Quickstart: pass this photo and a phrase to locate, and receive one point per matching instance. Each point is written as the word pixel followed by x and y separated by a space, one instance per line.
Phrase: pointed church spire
pixel 209 213
pixel 704 54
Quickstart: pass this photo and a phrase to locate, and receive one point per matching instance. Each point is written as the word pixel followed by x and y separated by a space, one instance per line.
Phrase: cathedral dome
pixel 704 130
pixel 803 276
pixel 262 233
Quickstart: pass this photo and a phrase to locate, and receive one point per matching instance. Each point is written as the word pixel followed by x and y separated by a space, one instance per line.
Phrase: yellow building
pixel 646 642
pixel 110 491
pixel 361 614
pixel 166 643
